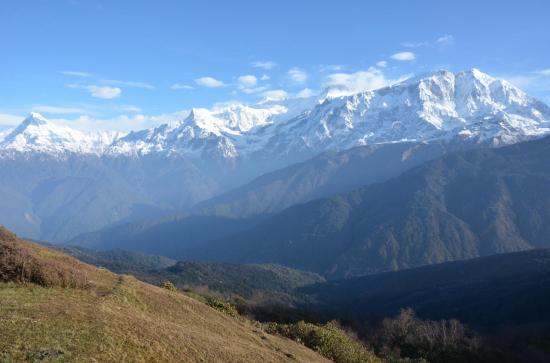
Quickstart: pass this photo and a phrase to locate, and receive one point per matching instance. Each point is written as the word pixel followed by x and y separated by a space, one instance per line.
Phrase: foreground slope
pixel 56 307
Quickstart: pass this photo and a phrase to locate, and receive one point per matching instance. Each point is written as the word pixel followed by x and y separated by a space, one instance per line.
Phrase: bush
pixel 168 285
pixel 223 306
pixel 407 336
pixel 21 263
pixel 329 340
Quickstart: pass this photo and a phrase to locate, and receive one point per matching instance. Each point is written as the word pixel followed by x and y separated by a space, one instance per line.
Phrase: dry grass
pixel 20 263
pixel 115 318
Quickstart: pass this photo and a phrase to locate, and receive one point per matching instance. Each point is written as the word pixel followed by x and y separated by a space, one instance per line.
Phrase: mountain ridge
pixel 462 205
pixel 437 105
pixel 171 168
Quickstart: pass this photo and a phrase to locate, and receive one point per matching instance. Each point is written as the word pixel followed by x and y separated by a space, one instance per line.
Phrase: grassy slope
pixel 118 318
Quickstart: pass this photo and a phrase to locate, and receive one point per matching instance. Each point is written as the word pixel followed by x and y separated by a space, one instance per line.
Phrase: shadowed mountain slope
pixel 504 289
pixel 463 205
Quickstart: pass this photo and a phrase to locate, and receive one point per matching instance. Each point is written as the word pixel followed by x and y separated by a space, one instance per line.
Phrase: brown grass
pixel 116 318
pixel 20 263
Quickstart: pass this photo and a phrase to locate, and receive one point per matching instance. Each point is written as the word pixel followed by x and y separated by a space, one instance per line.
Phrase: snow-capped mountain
pixel 4 133
pixel 37 134
pixel 57 182
pixel 223 132
pixel 203 132
pixel 466 106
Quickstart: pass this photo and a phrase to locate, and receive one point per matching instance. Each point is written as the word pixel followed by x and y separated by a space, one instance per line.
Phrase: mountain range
pixel 440 105
pixel 59 183
pixel 462 205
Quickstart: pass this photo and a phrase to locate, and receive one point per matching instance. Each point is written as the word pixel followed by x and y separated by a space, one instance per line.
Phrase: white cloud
pixel 443 40
pixel 248 80
pixel 122 123
pixel 209 82
pixel 415 44
pixel 10 120
pixel 330 68
pixel 382 64
pixel 403 56
pixel 129 108
pixel 114 82
pixel 265 77
pixel 77 74
pixel 178 86
pixel 265 65
pixel 446 39
pixel 117 123
pixel 305 93
pixel 350 83
pixel 56 109
pixel 536 82
pixel 297 75
pixel 218 106
pixel 104 92
pixel 275 95
pixel 532 82
pixel 253 90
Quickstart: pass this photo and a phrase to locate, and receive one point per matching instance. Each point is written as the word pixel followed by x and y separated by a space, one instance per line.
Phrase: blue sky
pixel 130 64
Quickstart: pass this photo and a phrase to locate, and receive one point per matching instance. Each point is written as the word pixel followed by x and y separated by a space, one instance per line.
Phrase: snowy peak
pixel 34 119
pixel 210 133
pixel 37 134
pixel 442 105
pixel 471 91
pixel 466 106
pixel 234 118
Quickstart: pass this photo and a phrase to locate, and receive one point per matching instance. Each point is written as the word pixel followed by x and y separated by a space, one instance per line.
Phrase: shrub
pixel 223 306
pixel 21 263
pixel 168 285
pixel 407 336
pixel 329 340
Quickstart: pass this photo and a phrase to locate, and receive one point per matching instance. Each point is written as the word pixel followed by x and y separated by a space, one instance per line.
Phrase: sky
pixel 123 65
